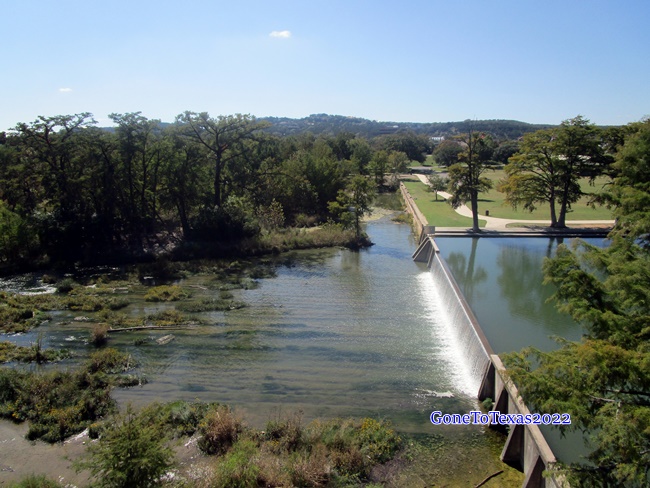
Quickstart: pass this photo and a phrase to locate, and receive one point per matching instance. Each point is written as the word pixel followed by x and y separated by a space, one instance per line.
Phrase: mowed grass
pixel 494 201
pixel 438 213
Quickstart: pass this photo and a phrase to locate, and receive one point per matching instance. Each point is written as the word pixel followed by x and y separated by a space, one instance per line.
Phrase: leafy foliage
pixel 603 381
pixel 549 164
pixel 466 178
pixel 130 453
pixel 59 404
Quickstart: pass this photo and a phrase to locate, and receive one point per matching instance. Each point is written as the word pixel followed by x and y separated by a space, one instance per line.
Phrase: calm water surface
pixel 502 281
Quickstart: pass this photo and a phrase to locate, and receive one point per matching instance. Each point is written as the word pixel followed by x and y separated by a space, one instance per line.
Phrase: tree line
pixel 333 124
pixel 73 191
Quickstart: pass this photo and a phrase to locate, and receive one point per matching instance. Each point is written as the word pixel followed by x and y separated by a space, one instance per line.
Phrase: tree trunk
pixel 553 215
pixel 475 226
pixel 185 223
pixel 217 182
pixel 561 221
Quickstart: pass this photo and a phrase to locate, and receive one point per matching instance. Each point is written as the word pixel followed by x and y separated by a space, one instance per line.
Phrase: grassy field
pixel 494 201
pixel 438 213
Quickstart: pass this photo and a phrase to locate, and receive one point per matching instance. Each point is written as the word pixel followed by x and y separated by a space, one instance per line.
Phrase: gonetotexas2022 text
pixel 496 417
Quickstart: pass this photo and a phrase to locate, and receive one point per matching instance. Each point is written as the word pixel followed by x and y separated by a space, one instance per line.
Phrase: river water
pixel 336 333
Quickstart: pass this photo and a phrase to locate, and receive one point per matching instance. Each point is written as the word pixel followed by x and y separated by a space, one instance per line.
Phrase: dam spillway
pixel 525 447
pixel 462 326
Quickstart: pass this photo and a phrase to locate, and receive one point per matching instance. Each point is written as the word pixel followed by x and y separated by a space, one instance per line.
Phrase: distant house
pixel 437 139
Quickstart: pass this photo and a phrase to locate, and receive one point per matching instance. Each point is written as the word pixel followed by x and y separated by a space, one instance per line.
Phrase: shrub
pixel 66 285
pixel 239 468
pixel 36 481
pixel 168 317
pixel 303 220
pixel 166 293
pixel 109 360
pixel 287 433
pixel 49 279
pixel 129 454
pixel 311 468
pixel 179 417
pixel 118 303
pixel 219 430
pixel 211 305
pixel 99 335
pixel 378 441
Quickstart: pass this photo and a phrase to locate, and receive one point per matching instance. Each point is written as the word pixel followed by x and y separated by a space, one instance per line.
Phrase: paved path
pixel 496 223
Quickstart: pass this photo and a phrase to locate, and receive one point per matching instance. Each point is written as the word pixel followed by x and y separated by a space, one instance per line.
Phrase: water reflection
pixel 521 283
pixel 465 270
pixel 503 283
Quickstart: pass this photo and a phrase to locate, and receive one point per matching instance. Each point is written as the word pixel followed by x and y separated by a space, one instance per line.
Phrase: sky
pixel 408 61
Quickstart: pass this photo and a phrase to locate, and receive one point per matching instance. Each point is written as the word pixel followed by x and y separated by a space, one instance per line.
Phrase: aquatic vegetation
pixel 169 317
pixel 99 335
pixel 10 352
pixel 210 305
pixel 58 404
pixel 19 313
pixel 166 293
pixel 66 285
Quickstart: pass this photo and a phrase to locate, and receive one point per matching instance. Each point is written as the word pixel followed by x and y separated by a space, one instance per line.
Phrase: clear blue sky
pixel 407 61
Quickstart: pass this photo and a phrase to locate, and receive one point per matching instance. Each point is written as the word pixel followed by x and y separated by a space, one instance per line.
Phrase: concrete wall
pixel 525 448
pixel 419 220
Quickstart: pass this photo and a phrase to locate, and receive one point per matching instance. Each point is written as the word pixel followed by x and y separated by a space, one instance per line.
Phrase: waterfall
pixel 451 314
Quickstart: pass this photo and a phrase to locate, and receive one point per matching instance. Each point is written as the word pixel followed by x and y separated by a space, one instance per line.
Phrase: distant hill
pixel 334 124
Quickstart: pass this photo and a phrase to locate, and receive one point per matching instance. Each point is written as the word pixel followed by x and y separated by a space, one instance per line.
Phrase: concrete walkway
pixel 496 223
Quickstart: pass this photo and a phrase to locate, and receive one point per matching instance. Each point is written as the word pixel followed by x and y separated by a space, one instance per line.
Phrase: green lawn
pixel 438 213
pixel 494 201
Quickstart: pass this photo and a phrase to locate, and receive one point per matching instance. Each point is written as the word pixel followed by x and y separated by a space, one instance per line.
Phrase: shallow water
pixel 335 333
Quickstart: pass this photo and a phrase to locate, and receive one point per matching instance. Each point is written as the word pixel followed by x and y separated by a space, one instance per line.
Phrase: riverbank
pixel 459 462
pixel 20 458
pixel 329 334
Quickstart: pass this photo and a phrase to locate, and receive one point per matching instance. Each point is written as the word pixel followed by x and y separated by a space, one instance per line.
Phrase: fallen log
pixel 488 478
pixel 151 327
pixel 165 339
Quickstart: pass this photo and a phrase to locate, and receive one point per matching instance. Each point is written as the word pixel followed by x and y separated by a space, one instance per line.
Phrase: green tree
pixel 17 239
pixel 446 153
pixel 398 161
pixel 130 454
pixel 504 151
pixel 227 140
pixel 354 202
pixel 466 178
pixel 141 159
pixel 379 166
pixel 549 165
pixel 533 175
pixel 438 183
pixel 361 155
pixel 603 381
pixel 413 145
